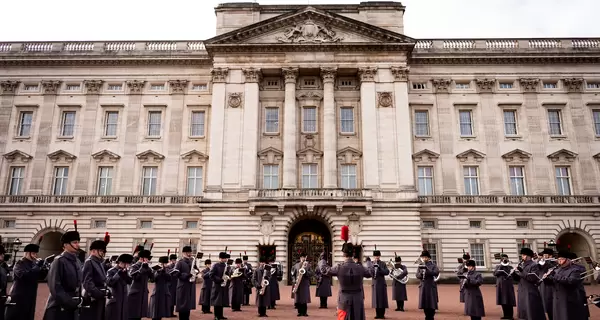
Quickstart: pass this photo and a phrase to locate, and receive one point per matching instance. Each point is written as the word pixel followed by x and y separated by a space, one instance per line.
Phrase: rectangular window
pixel 471 178
pixel 199 87
pixel 111 119
pixel 30 87
pixel 475 224
pixel 271 176
pixel 425 180
pixel 419 85
pixel 99 224
pixel 146 224
pixel 9 224
pixel 25 119
pixel 197 124
pixel 310 82
pixel 517 180
pixel 272 120
pixel 347 120
pixel 194 181
pixel 309 176
pixel 61 177
pixel 510 122
pixel 555 122
pixel 17 175
pixel 349 176
pixel 105 176
pixel 309 119
pixel 149 180
pixel 73 87
pixel 593 85
pixel 157 87
pixel 506 85
pixel 466 123
pixel 563 181
pixel 523 224
pixel 550 85
pixel 273 83
pixel 478 254
pixel 346 83
pixel 596 116
pixel 67 125
pixel 422 123
pixel 462 86
pixel 428 224
pixel 432 248
pixel 154 123
pixel 191 224
pixel 114 87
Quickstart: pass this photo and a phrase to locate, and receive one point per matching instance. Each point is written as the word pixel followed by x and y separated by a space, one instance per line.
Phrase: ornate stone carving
pixel 290 74
pixel 8 87
pixel 267 224
pixel 51 86
pixel 270 155
pixel 219 74
pixel 309 141
pixel 486 85
pixel 367 74
pixel 252 75
pixel 235 100
pixel 400 73
pixel 136 86
pixel 562 155
pixel 354 224
pixel 105 155
pixel 178 86
pixel 61 155
pixel 529 84
pixel 309 95
pixel 194 156
pixel 348 155
pixel 516 155
pixel 441 85
pixel 385 99
pixel 309 154
pixel 150 156
pixel 574 84
pixel 425 155
pixel 17 155
pixel 93 86
pixel 471 155
pixel 309 32
pixel 328 74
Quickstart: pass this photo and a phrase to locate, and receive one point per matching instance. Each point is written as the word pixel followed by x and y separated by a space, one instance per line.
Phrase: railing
pixel 100 200
pixel 507 44
pixel 510 199
pixel 304 194
pixel 71 47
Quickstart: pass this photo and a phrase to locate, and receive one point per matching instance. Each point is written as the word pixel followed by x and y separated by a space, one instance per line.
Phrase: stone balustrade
pixel 310 194
pixel 553 200
pixel 507 44
pixel 96 200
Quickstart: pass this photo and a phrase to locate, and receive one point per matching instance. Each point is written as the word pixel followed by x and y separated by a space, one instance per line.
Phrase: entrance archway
pixel 578 243
pixel 50 244
pixel 311 236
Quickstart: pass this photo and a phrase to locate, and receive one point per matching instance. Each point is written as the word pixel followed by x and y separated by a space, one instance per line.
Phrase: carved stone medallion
pixel 235 100
pixel 385 99
pixel 309 32
pixel 267 224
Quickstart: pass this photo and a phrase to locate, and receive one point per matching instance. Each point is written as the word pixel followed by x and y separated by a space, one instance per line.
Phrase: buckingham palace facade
pixel 295 120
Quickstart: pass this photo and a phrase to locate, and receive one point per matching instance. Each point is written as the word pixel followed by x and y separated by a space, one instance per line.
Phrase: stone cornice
pixel 50 60
pixel 506 58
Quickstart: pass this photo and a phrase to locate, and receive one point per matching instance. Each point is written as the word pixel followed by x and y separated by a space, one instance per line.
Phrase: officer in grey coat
pixel 260 278
pixel 567 302
pixel 236 286
pixel 206 287
pixel 505 290
pixel 379 298
pixel 138 294
pixel 351 302
pixel 118 279
pixel 399 289
pixel 473 298
pixel 64 281
pixel 302 273
pixel 186 290
pixel 530 304
pixel 547 287
pixel 23 293
pixel 580 288
pixel 94 282
pixel 274 285
pixel 461 269
pixel 323 281
pixel 172 282
pixel 160 300
pixel 219 292
pixel 428 294
pixel 248 281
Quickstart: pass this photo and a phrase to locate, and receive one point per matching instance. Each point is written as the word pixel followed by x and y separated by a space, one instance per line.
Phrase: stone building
pixel 294 121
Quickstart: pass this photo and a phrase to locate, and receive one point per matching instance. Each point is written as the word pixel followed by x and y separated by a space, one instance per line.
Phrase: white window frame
pixel 550 85
pixel 60 181
pixel 143 221
pixel 425 224
pixel 270 175
pixel 107 124
pixel 72 87
pixel 31 87
pixel 95 225
pixel 63 125
pixel 186 224
pixel 6 224
pixel 194 180
pixel 462 85
pixel 596 121
pixel 158 87
pixel 312 175
pixel 418 125
pixel 272 123
pixel 460 123
pixel 594 85
pixel 517 190
pixel 201 125
pixel 305 122
pixel 114 87
pixel 527 224
pixel 560 122
pixel 199 86
pixel 16 181
pixel 152 177
pixel 470 177
pixel 150 133
pixel 105 180
pixel 21 125
pixel 506 85
pixel 346 124
pixel 515 123
pixel 479 259
pixel 560 180
pixel 348 176
pixel 422 176
pixel 473 224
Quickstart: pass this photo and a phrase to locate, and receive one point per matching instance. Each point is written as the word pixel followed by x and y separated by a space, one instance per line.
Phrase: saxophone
pixel 225 277
pixel 265 281
pixel 301 273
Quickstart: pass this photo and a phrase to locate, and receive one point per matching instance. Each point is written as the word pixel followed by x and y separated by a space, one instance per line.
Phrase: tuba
pixel 395 272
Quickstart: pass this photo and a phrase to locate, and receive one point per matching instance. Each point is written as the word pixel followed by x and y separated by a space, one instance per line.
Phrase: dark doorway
pixel 50 244
pixel 574 242
pixel 311 236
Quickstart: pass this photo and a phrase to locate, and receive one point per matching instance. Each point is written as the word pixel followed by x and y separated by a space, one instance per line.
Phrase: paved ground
pixel 450 308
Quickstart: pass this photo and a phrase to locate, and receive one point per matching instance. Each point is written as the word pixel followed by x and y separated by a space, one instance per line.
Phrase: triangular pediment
pixel 270 155
pixel 309 154
pixel 150 155
pixel 425 155
pixel 349 155
pixel 308 26
pixel 471 155
pixel 61 155
pixel 194 155
pixel 17 155
pixel 562 155
pixel 516 155
pixel 106 156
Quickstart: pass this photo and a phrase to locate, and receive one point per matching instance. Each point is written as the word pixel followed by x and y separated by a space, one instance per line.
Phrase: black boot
pixel 323 303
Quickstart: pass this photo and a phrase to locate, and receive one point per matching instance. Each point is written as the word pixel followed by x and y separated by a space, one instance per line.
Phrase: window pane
pixel 25 124
pixel 309 176
pixel 421 123
pixel 271 176
pixel 61 176
pixel 471 181
pixel 349 176
pixel 425 180
pixel 68 124
pixel 347 120
pixel 478 254
pixel 466 124
pixel 149 180
pixel 310 119
pixel 16 180
pixel 272 120
pixel 597 122
pixel 105 175
pixel 510 122
pixel 154 121
pixel 517 181
pixel 554 120
pixel 194 181
pixel 563 181
pixel 197 124
pixel 110 126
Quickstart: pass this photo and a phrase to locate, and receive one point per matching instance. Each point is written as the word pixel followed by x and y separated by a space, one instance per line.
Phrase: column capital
pixel 8 87
pixel 252 75
pixel 529 84
pixel 328 74
pixel 136 86
pixel 290 74
pixel 367 74
pixel 441 85
pixel 178 86
pixel 574 84
pixel 51 86
pixel 485 85
pixel 93 86
pixel 219 74
pixel 400 73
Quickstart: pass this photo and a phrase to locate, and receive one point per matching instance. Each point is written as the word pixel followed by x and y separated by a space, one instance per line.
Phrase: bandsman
pixel 302 285
pixel 94 281
pixel 546 287
pixel 118 280
pixel 567 304
pixel 141 273
pixel 324 282
pixel 505 290
pixel 379 298
pixel 260 279
pixel 186 289
pixel 3 282
pixel 219 292
pixel 236 286
pixel 399 289
pixel 461 269
pixel 160 300
pixel 206 287
pixel 580 288
pixel 172 282
pixel 248 281
pixel 530 304
pixel 473 298
pixel 274 285
pixel 428 294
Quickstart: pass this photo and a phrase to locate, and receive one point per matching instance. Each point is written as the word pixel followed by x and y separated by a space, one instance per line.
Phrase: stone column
pixel 173 153
pixel 330 129
pixel 290 129
pixel 368 109
pixel 127 163
pixel 446 134
pixel 406 179
pixel 88 129
pixel 251 124
pixel 7 93
pixel 215 154
pixel 495 182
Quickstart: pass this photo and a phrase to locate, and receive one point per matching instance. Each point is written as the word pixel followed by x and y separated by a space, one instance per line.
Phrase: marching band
pixel 116 288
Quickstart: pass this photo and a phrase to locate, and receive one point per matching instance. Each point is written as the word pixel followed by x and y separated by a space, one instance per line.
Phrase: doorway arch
pixel 577 240
pixel 312 236
pixel 50 244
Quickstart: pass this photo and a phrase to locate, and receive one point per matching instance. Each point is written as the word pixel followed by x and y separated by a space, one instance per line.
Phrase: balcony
pixel 62 201
pixel 535 200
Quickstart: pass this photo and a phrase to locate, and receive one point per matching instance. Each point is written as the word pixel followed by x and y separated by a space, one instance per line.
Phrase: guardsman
pixel 461 269
pixel 274 284
pixel 473 299
pixel 580 288
pixel 505 290
pixel 140 272
pixel 399 289
pixel 379 298
pixel 428 293
pixel 64 281
pixel 206 287
pixel 23 293
pixel 94 281
pixel 117 279
pixel 236 286
pixel 323 280
pixel 248 281
pixel 172 283
pixel 303 273
pixel 546 287
pixel 3 282
pixel 530 304
pixel 567 303
pixel 219 292
pixel 160 300
pixel 186 289
pixel 260 279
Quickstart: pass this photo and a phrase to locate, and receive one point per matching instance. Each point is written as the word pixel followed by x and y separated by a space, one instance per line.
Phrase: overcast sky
pixel 60 20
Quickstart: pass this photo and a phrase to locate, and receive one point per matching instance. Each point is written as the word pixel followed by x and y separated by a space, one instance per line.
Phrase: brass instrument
pixel 225 276
pixel 194 271
pixel 236 273
pixel 395 272
pixel 301 273
pixel 265 281
pixel 542 261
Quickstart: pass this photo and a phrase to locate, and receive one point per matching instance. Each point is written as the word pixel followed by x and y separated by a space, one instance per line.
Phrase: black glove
pixel 40 263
